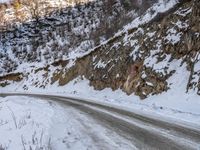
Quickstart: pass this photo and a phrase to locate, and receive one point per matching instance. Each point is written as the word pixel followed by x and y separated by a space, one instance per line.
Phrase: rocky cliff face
pixel 142 59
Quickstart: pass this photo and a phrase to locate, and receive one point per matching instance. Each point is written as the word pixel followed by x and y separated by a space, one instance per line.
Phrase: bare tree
pixel 35 8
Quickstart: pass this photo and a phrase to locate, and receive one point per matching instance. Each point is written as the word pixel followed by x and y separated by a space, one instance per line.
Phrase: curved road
pixel 143 132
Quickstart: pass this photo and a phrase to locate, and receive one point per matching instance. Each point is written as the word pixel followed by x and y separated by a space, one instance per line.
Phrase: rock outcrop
pixel 140 60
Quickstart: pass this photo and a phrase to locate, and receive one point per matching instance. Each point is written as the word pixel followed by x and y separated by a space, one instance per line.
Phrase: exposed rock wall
pixel 141 60
pixel 125 61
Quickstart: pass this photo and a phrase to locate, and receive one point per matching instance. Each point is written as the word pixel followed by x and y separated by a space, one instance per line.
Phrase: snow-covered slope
pixel 64 32
pixel 155 57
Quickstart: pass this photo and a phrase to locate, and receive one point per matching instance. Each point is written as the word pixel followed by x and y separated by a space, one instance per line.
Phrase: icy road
pixel 59 123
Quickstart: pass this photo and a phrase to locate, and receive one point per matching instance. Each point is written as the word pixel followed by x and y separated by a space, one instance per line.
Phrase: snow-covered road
pixel 31 123
pixel 59 123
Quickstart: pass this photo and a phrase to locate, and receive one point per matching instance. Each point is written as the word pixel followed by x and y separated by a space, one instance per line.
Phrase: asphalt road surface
pixel 143 132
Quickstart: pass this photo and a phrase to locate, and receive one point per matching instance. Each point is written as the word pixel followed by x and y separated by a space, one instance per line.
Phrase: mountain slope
pixel 68 30
pixel 158 52
pixel 155 57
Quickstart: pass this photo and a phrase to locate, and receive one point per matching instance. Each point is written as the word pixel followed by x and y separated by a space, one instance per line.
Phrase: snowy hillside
pixel 155 57
pixel 149 52
pixel 56 36
pixel 99 70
